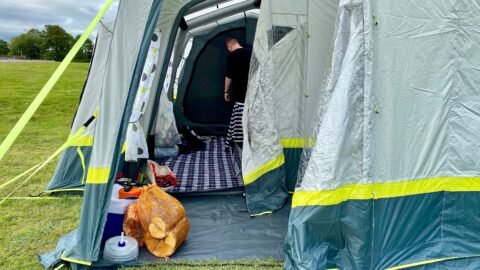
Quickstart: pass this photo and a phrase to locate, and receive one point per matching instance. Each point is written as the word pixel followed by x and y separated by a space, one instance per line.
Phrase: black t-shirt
pixel 238 65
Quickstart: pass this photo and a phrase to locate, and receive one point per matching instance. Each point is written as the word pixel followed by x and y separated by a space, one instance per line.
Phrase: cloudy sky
pixel 18 16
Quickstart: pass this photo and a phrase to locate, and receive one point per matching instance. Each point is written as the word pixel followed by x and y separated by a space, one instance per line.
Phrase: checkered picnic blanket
pixel 216 168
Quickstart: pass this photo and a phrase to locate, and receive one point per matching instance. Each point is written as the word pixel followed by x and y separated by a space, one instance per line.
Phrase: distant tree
pixel 56 42
pixel 4 47
pixel 28 44
pixel 86 52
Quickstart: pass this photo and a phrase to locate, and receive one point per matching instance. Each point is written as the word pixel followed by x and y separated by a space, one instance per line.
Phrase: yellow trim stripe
pixel 269 166
pixel 124 147
pixel 75 260
pixel 292 142
pixel 385 190
pixel 98 175
pixel 82 141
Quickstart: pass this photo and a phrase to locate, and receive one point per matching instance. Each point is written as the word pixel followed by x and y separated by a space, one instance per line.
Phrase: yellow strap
pixel 19 176
pixel 421 263
pixel 82 159
pixel 41 166
pixel 405 266
pixel 20 125
pixel 385 190
pixel 269 166
pixel 98 175
pixel 75 260
pixel 59 267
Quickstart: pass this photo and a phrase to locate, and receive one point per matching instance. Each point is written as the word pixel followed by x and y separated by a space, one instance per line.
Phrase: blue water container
pixel 116 213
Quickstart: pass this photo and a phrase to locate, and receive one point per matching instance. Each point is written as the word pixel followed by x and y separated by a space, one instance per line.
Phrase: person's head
pixel 232 44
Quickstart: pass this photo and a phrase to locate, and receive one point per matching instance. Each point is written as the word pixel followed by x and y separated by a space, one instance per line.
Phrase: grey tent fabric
pixel 389 183
pixel 285 77
pixel 70 172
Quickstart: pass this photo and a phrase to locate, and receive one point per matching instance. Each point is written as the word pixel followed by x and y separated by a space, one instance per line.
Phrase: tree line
pixel 50 43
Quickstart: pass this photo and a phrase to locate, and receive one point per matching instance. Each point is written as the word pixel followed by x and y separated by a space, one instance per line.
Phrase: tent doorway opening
pixel 210 183
pixel 198 103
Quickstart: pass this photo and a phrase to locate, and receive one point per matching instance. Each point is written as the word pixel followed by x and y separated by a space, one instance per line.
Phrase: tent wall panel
pixel 70 172
pixel 390 182
pixel 283 85
pixel 133 31
pixel 67 173
pixel 384 233
pixel 267 186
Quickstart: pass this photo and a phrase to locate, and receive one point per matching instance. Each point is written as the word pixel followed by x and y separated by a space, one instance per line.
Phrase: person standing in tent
pixel 238 66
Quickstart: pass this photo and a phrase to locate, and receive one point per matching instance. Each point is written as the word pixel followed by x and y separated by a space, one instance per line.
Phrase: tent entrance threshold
pixel 221 229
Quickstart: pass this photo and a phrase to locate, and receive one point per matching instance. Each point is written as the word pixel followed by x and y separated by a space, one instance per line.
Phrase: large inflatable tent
pixel 367 110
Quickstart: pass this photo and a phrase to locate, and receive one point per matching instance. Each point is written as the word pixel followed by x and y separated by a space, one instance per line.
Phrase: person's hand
pixel 227 97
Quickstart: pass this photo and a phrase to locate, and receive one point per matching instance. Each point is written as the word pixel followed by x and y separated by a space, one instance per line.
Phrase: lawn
pixel 31 226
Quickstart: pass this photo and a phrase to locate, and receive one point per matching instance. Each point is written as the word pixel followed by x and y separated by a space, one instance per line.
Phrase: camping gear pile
pixel 146 213
pixel 158 221
pixel 116 212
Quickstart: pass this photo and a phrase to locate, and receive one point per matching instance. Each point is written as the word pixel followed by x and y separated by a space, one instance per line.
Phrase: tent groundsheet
pixel 220 229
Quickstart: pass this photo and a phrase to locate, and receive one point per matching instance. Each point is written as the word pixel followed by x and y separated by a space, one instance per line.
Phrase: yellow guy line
pixel 42 165
pixel 20 125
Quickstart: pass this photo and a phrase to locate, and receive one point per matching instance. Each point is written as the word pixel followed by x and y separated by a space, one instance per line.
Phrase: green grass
pixel 32 227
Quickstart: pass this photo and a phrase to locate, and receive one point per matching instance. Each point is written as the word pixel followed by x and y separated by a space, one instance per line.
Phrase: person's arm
pixel 228 81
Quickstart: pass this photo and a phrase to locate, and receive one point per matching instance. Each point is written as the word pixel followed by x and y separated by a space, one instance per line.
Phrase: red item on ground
pixel 166 181
pixel 161 175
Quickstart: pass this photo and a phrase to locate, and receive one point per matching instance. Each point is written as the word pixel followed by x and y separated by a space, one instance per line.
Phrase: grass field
pixel 32 226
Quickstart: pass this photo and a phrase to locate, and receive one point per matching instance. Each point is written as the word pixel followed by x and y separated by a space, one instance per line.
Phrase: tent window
pixel 277 33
